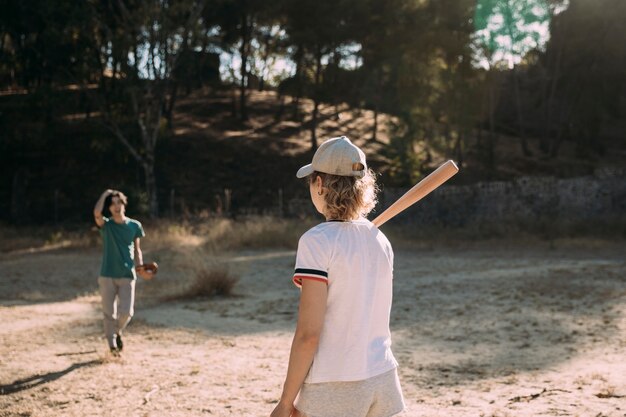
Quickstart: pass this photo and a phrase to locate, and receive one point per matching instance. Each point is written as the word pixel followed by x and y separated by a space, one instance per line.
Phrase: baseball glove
pixel 147 271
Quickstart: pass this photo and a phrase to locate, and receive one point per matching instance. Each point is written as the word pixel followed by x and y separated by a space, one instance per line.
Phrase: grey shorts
pixel 379 396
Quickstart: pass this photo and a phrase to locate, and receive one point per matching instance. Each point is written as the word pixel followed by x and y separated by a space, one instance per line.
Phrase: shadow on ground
pixel 460 319
pixel 40 379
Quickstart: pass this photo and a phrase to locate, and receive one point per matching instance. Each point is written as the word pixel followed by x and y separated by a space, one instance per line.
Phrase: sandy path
pixel 478 332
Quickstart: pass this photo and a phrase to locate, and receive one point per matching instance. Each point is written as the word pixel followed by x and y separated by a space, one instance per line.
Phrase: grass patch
pixel 212 282
pixel 216 234
pixel 200 274
pixel 213 234
pixel 558 232
pixel 43 238
pixel 204 282
pixel 222 234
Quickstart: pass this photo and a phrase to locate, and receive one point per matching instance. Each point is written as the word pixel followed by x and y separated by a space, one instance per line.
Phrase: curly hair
pixel 347 198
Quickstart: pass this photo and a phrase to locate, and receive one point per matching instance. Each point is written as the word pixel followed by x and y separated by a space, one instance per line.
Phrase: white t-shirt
pixel 355 259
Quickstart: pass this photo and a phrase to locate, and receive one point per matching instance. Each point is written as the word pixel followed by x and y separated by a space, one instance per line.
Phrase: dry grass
pixel 44 238
pixel 217 235
pixel 609 392
pixel 222 234
pixel 212 282
pixel 201 274
pixel 204 279
pixel 214 234
pixel 194 247
pixel 558 232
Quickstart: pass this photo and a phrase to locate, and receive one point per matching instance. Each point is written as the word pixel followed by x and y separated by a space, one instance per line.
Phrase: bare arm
pixel 97 210
pixel 305 342
pixel 138 253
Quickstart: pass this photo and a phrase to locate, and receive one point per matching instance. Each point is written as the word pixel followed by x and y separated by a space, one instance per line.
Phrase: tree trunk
pixel 150 126
pixel 377 98
pixel 243 51
pixel 299 55
pixel 565 125
pixel 554 79
pixel 233 103
pixel 265 58
pixel 314 125
pixel 149 122
pixel 545 143
pixel 170 102
pixel 375 127
pixel 318 76
pixel 459 149
pixel 556 144
pixel 281 108
pixel 151 188
pixel 18 196
pixel 520 117
pixel 509 22
pixel 491 137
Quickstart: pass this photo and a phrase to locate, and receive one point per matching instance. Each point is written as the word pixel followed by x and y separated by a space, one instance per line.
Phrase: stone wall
pixel 527 199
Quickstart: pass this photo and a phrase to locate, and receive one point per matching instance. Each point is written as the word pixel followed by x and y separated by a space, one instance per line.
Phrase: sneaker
pixel 115 351
pixel 119 343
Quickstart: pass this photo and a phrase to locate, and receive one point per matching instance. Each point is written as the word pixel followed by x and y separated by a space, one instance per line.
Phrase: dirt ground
pixel 495 329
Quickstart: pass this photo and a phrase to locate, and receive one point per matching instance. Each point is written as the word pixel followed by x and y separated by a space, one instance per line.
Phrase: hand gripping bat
pixel 419 191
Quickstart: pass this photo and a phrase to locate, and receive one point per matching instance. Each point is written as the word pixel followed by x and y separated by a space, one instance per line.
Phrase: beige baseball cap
pixel 336 156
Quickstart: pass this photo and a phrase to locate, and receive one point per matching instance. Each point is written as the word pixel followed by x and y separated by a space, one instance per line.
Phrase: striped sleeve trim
pixel 313 274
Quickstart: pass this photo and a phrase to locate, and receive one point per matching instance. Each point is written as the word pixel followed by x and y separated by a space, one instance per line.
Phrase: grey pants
pixel 378 396
pixel 116 315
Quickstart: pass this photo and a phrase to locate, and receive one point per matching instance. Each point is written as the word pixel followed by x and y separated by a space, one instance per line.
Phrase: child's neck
pixel 119 218
pixel 330 219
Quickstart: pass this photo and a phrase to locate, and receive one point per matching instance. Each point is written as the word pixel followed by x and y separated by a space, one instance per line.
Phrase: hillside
pixel 260 156
pixel 210 156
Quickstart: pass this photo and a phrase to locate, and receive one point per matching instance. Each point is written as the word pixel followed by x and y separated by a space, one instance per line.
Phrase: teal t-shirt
pixel 118 241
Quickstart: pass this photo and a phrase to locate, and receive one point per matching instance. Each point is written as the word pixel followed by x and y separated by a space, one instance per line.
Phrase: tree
pixel 40 48
pixel 507 30
pixel 459 83
pixel 423 66
pixel 238 21
pixel 138 46
pixel 271 42
pixel 315 30
pixel 585 65
pixel 378 53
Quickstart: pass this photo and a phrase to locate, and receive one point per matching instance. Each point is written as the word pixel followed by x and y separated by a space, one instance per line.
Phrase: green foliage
pixel 510 27
pixel 405 163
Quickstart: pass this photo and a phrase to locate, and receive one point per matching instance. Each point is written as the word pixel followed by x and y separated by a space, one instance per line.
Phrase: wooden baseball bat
pixel 419 191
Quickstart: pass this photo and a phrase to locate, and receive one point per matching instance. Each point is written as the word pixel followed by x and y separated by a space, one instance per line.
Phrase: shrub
pixel 212 282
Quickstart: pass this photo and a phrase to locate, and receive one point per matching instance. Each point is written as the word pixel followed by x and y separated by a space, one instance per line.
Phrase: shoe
pixel 115 351
pixel 119 343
